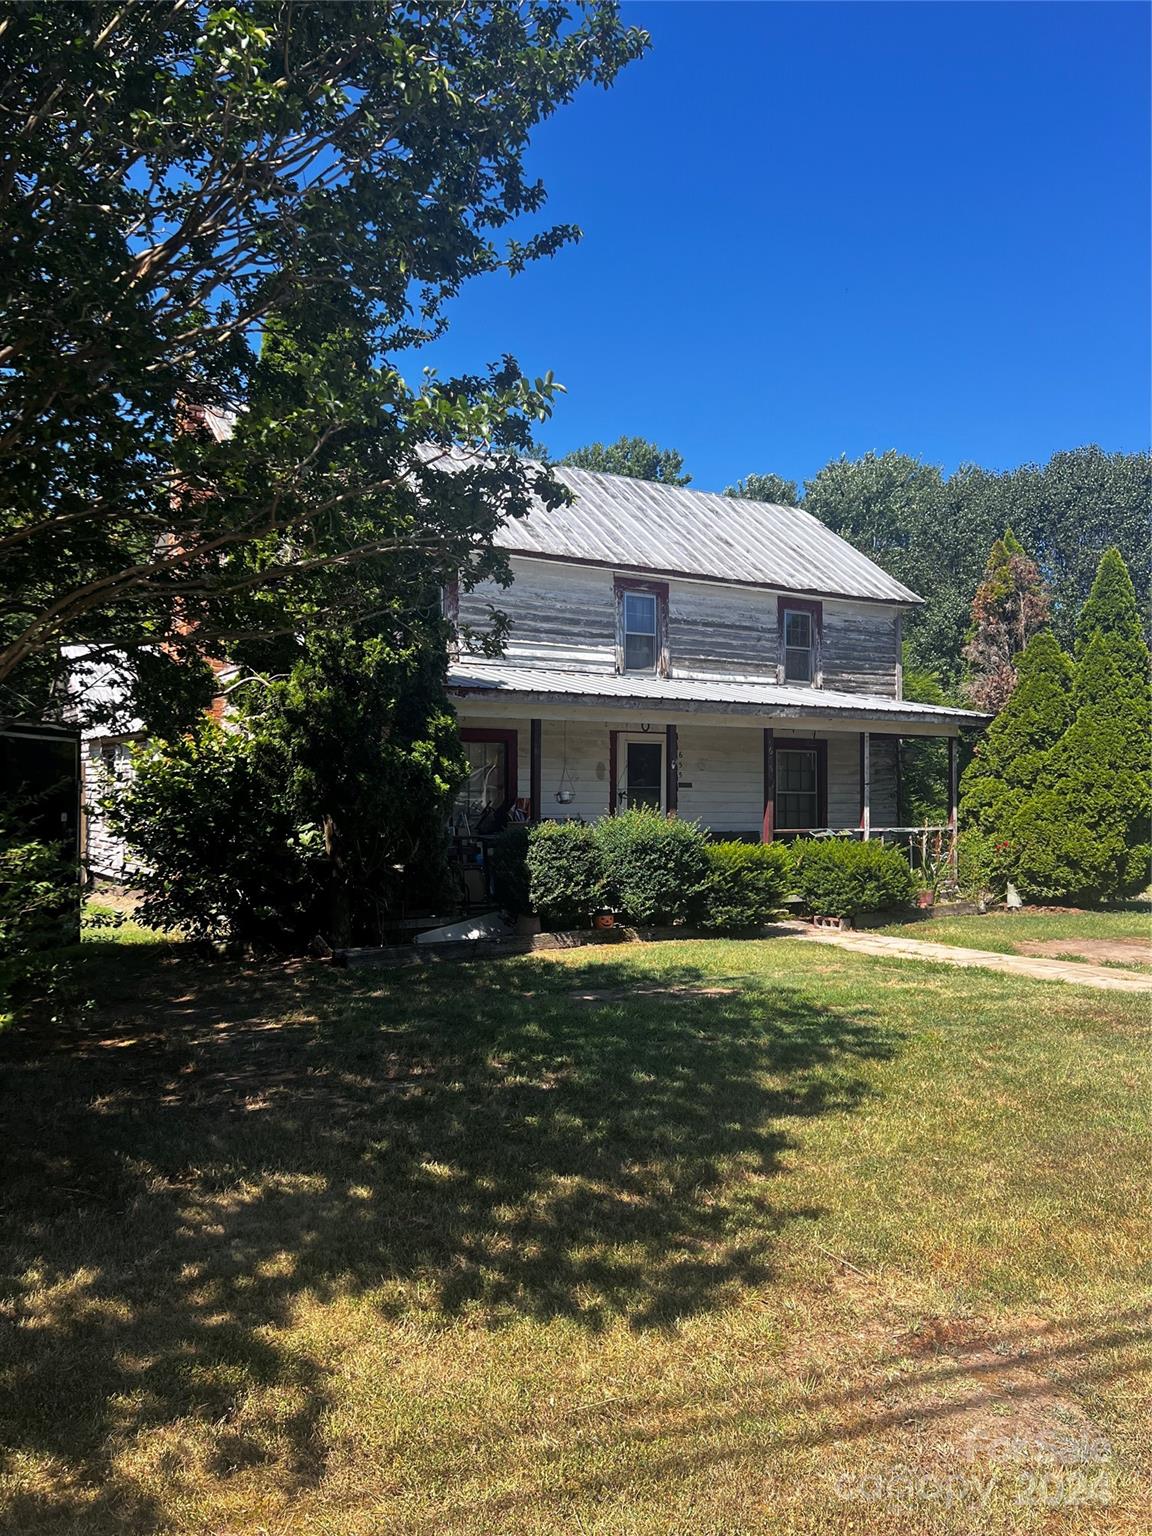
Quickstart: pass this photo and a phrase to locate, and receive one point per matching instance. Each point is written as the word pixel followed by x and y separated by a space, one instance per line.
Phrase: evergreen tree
pixel 1010 605
pixel 1014 755
pixel 1085 833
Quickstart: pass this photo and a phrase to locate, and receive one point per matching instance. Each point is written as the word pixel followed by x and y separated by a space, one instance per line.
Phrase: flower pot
pixel 925 900
pixel 604 920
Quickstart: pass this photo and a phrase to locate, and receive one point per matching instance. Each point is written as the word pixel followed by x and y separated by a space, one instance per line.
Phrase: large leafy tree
pixel 931 531
pixel 767 487
pixel 1010 605
pixel 179 181
pixel 899 512
pixel 632 456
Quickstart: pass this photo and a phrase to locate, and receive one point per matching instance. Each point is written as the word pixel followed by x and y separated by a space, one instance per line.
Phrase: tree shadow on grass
pixel 209 1145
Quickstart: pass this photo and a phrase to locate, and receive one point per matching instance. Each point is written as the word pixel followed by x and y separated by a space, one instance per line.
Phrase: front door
pixel 641 773
pixel 797 788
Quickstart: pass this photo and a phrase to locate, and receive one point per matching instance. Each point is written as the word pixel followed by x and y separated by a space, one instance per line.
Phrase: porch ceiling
pixel 494 683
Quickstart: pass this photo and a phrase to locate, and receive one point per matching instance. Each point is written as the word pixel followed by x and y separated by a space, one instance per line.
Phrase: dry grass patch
pixel 742 1247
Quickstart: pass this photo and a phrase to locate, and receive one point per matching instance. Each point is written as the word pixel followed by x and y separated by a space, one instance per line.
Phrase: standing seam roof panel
pixel 643 525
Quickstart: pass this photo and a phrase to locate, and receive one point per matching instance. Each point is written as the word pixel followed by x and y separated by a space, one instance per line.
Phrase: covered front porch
pixel 755 767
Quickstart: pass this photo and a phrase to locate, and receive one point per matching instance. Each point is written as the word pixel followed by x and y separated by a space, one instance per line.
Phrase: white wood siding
pixel 562 617
pixel 861 649
pixel 721 770
pixel 721 632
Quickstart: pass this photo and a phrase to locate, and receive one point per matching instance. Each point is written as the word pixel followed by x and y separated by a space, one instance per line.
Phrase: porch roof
pixel 491 680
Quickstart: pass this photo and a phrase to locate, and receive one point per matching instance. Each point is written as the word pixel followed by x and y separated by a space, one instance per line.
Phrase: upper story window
pixel 800 626
pixel 641 626
pixel 639 632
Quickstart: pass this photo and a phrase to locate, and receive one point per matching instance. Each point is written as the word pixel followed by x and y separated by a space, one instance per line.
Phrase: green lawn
pixel 1009 932
pixel 684 1238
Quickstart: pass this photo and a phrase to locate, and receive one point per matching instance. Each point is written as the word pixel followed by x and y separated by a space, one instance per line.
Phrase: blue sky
pixel 814 229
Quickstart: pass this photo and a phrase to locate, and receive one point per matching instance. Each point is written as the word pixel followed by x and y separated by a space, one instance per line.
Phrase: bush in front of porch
pixel 836 877
pixel 646 868
pixel 565 872
pixel 747 884
pixel 656 867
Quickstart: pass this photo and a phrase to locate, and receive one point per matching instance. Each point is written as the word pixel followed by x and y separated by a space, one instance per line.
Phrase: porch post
pixel 671 772
pixel 866 784
pixel 768 827
pixel 953 799
pixel 612 770
pixel 535 804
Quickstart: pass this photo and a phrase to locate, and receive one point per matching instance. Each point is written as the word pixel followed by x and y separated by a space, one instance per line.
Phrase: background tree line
pixel 934 531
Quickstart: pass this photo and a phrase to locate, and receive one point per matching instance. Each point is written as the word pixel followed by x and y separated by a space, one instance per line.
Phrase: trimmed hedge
pixel 746 884
pixel 836 877
pixel 656 868
pixel 565 873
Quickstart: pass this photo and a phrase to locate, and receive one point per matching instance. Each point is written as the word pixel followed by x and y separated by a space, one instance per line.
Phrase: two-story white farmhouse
pixel 726 660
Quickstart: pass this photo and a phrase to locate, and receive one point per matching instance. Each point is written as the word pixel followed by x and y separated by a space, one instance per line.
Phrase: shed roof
pixel 674 531
pixel 736 696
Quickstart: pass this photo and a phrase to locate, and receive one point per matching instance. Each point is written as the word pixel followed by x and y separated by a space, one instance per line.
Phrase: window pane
pixel 797 798
pixel 639 653
pixel 798 629
pixel 797 665
pixel 639 613
pixel 484 785
pixel 795 812
pixel 645 765
pixel 796 770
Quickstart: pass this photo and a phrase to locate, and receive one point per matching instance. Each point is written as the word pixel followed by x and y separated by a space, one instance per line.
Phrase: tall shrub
pixel 1085 832
pixel 317 810
pixel 655 867
pixel 224 853
pixel 746 884
pixel 1012 757
pixel 565 873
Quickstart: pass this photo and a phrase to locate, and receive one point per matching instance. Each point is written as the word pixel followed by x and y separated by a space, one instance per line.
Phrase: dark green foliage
pixel 1086 835
pixel 923 759
pixel 185 181
pixel 979 865
pixel 655 866
pixel 228 855
pixel 838 877
pixel 38 894
pixel 1111 611
pixel 565 873
pixel 635 457
pixel 773 488
pixel 39 910
pixel 508 862
pixel 1061 791
pixel 746 884
pixel 318 812
pixel 1012 758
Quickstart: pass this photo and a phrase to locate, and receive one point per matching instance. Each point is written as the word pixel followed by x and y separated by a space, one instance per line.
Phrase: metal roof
pixel 675 531
pixel 746 695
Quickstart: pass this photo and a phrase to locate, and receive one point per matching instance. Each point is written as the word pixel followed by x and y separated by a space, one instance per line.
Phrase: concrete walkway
pixel 1107 978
